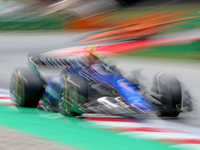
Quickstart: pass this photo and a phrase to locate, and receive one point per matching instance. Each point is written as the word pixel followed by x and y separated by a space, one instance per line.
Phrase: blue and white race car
pixel 86 84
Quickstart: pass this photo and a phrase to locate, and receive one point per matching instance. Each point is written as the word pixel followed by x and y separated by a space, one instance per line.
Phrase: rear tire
pixel 26 87
pixel 169 93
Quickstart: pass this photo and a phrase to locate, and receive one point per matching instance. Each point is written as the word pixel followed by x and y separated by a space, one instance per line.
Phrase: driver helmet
pixel 92 56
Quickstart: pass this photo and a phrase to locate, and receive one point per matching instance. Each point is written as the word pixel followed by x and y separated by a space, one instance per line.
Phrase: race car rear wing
pixel 48 61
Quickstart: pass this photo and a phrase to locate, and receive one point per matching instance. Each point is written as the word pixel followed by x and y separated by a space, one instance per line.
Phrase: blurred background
pixel 108 21
pixel 93 14
pixel 152 34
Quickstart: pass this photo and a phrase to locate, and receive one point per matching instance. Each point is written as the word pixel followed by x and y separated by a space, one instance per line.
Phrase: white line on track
pixel 162 135
pixel 4 91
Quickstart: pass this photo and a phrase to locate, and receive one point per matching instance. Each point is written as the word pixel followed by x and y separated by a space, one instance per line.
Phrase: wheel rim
pixel 68 100
pixel 17 90
pixel 64 104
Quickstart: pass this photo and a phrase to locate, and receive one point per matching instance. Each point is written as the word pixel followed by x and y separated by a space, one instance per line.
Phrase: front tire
pixel 73 93
pixel 169 92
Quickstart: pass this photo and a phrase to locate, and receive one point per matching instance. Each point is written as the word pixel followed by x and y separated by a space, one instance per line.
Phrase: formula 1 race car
pixel 86 84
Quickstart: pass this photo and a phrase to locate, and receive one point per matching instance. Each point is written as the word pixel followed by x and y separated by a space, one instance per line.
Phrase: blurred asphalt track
pixel 15 46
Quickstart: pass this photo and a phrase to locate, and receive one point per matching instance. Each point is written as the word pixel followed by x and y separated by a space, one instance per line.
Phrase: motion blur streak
pixel 91 104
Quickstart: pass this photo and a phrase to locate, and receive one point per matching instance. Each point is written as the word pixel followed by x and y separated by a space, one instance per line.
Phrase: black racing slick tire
pixel 169 93
pixel 73 93
pixel 26 87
